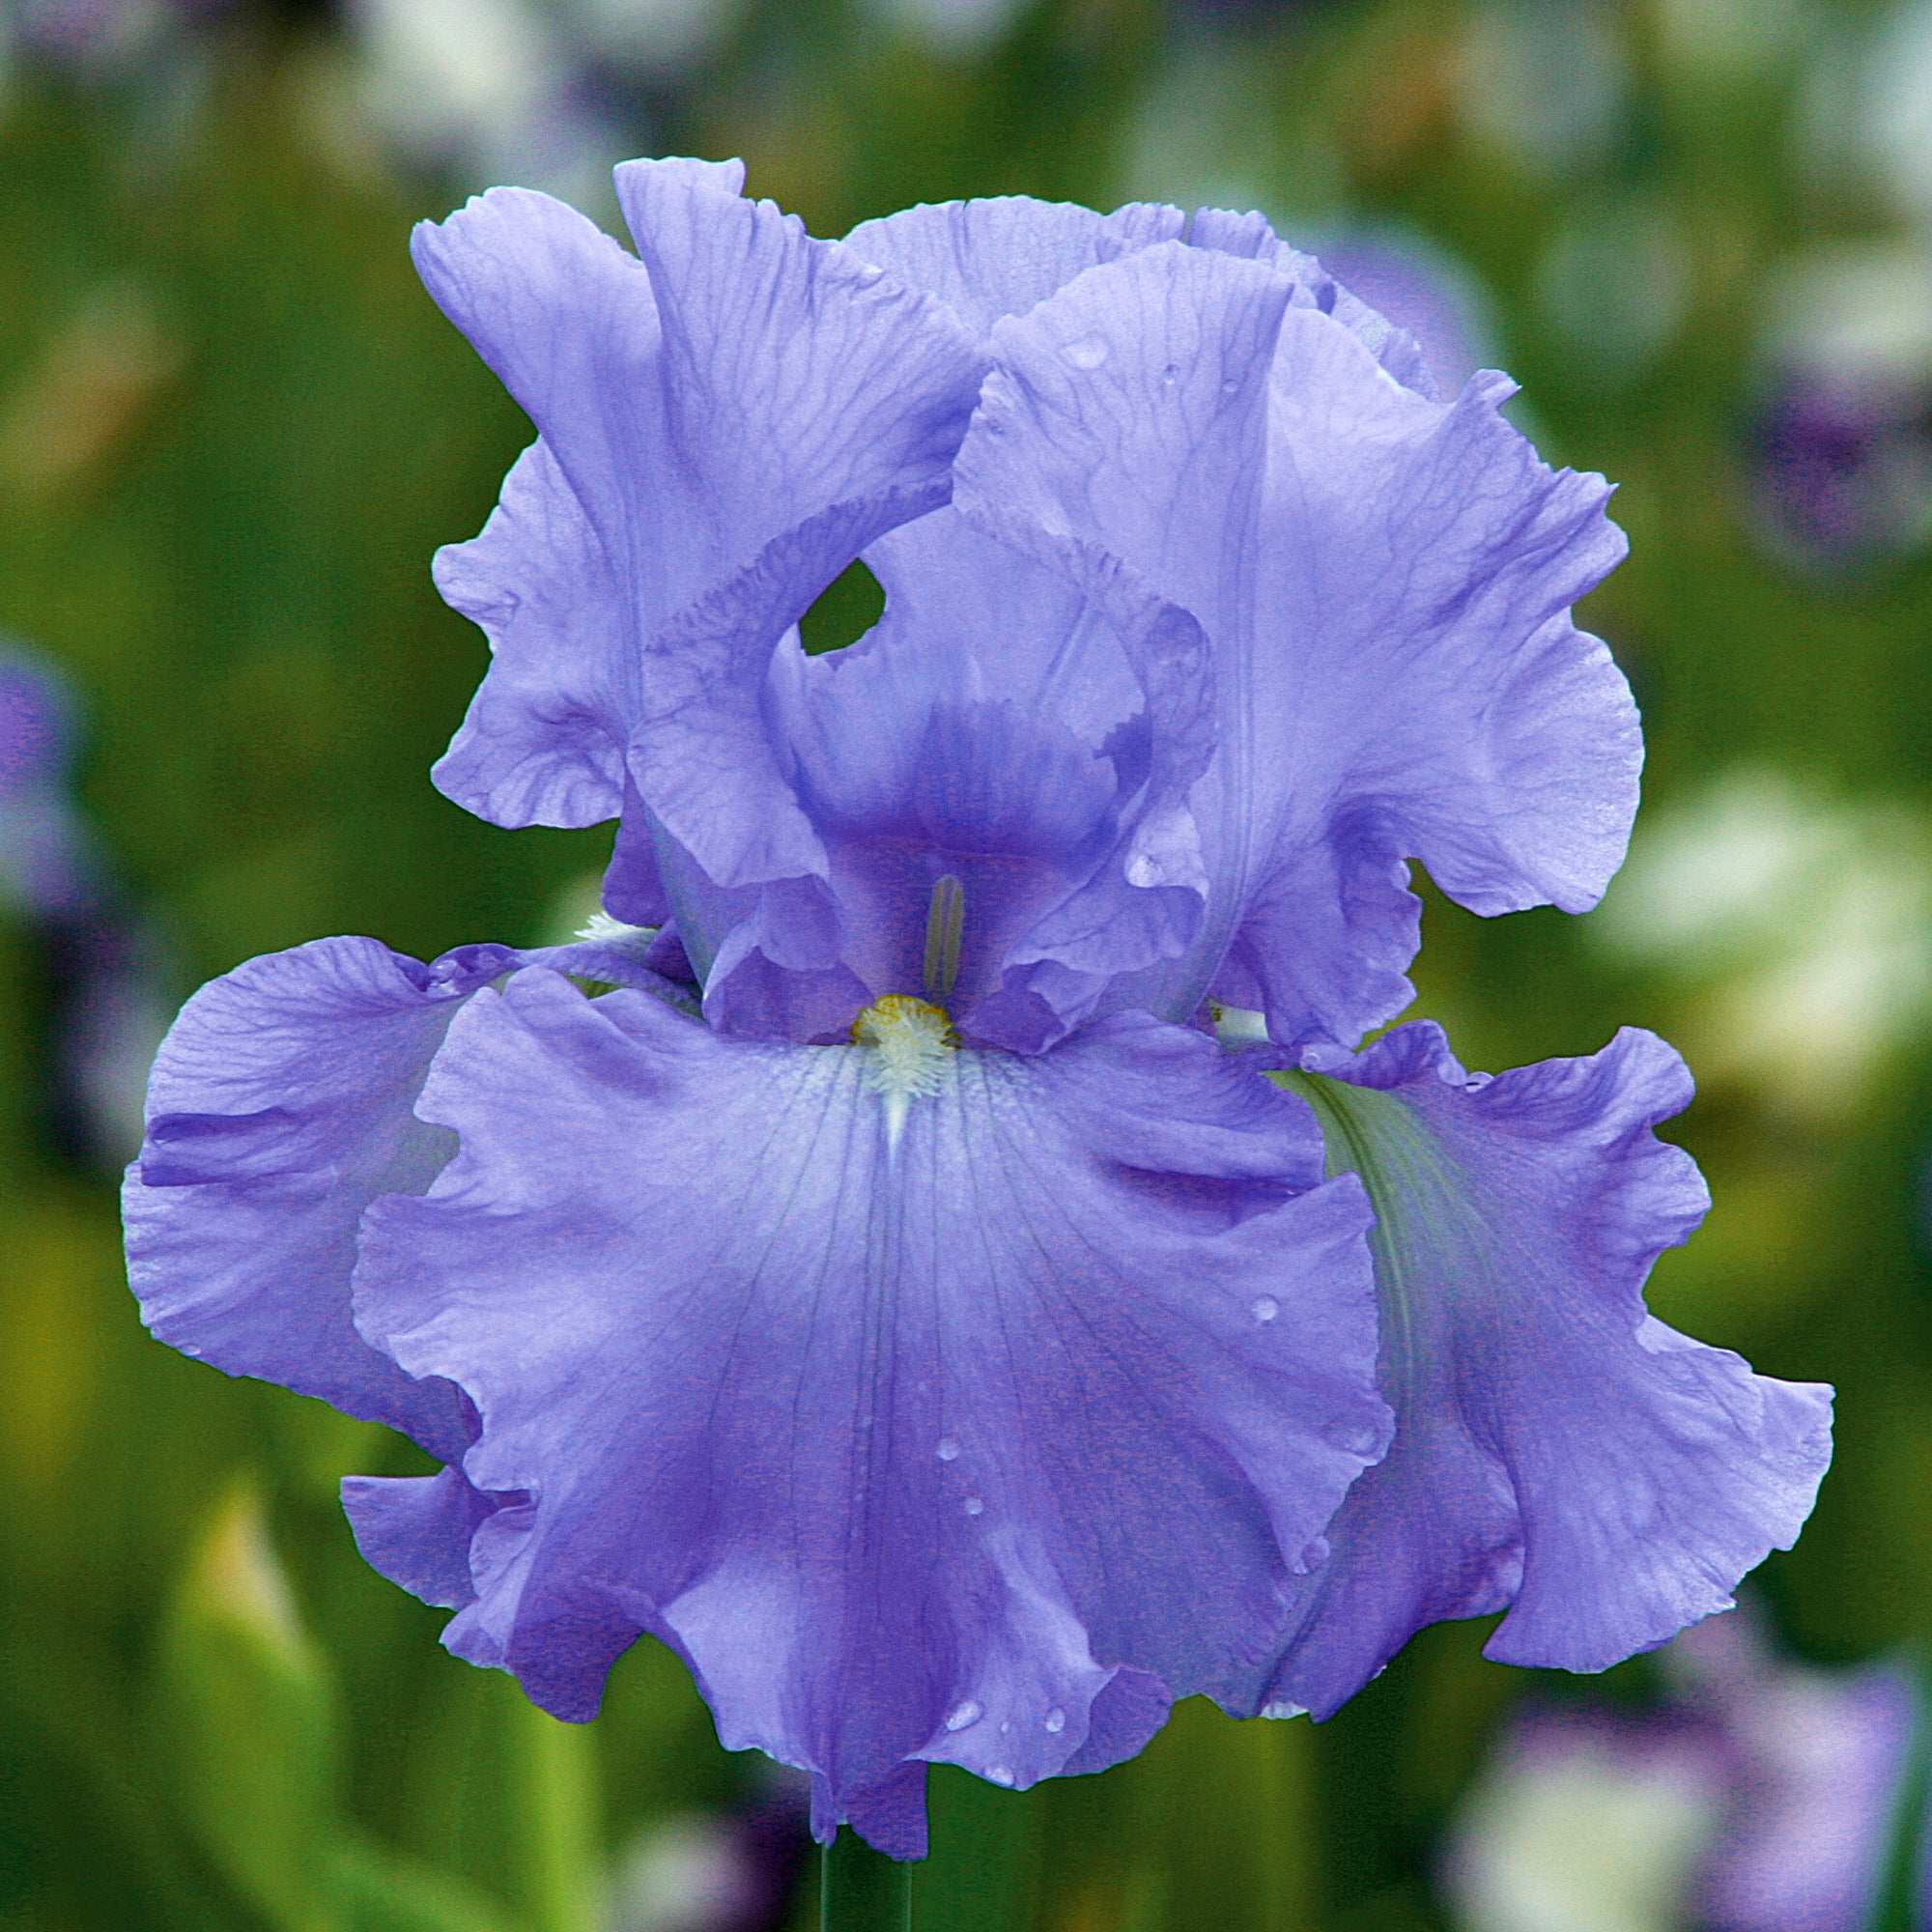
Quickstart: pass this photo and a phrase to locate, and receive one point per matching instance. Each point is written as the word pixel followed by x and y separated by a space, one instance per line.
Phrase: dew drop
pixel 1171 375
pixel 1264 1308
pixel 1228 386
pixel 999 1773
pixel 1280 1707
pixel 947 1449
pixel 963 1715
pixel 1056 1720
pixel 1086 352
pixel 1314 1555
pixel 1005 1725
pixel 188 1349
pixel 973 1506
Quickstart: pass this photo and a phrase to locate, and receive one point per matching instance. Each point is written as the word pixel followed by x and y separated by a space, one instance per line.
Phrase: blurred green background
pixel 232 432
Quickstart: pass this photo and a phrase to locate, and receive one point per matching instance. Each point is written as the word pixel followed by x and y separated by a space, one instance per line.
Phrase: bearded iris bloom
pixel 893 1297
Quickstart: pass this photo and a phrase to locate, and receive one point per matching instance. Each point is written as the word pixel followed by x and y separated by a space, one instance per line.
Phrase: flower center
pixel 912 1044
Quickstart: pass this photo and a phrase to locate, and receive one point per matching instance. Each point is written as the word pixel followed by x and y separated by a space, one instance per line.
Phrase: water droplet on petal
pixel 963 1715
pixel 1000 1773
pixel 1005 1725
pixel 1056 1720
pixel 1228 386
pixel 1312 1556
pixel 1264 1308
pixel 1086 352
pixel 1280 1707
pixel 1171 373
pixel 973 1505
pixel 947 1449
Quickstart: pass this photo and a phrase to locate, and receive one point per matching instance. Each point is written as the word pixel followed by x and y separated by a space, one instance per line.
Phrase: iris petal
pixel 1384 583
pixel 1559 1452
pixel 543 741
pixel 945 1436
pixel 280 1106
pixel 740 386
pixel 999 256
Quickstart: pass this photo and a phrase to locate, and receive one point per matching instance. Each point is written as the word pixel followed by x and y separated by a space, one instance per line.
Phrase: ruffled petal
pixel 999 256
pixel 943 1421
pixel 798 378
pixel 1384 581
pixel 1252 238
pixel 542 741
pixel 417 1530
pixel 281 1105
pixel 1559 1452
pixel 737 385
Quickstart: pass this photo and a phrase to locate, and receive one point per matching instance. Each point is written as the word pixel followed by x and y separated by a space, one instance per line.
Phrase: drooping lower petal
pixel 1559 1452
pixel 1384 581
pixel 280 1106
pixel 926 1400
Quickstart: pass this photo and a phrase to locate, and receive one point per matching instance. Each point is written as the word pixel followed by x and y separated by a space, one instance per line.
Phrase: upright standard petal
pixel 1559 1452
pixel 1037 770
pixel 737 384
pixel 1252 238
pixel 280 1106
pixel 1000 256
pixel 1385 582
pixel 927 1401
pixel 543 741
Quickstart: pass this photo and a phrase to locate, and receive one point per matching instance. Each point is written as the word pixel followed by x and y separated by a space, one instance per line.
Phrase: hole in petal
pixel 847 607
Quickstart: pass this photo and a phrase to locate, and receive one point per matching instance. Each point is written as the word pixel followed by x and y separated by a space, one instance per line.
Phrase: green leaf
pixel 374 1890
pixel 245 1722
pixel 509 1796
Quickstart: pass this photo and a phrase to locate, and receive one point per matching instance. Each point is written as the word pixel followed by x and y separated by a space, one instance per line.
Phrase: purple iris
pixel 1760 1796
pixel 929 1330
pixel 47 863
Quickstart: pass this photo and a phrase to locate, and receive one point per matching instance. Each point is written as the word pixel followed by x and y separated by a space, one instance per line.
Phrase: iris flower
pixel 1760 1795
pixel 893 1296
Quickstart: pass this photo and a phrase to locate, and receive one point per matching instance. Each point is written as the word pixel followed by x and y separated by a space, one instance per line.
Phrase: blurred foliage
pixel 232 431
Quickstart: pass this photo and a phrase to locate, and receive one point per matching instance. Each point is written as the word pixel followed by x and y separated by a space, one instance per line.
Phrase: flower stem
pixel 862 1891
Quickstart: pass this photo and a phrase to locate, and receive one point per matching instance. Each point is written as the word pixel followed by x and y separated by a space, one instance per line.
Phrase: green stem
pixel 862 1891
pixel 555 1770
